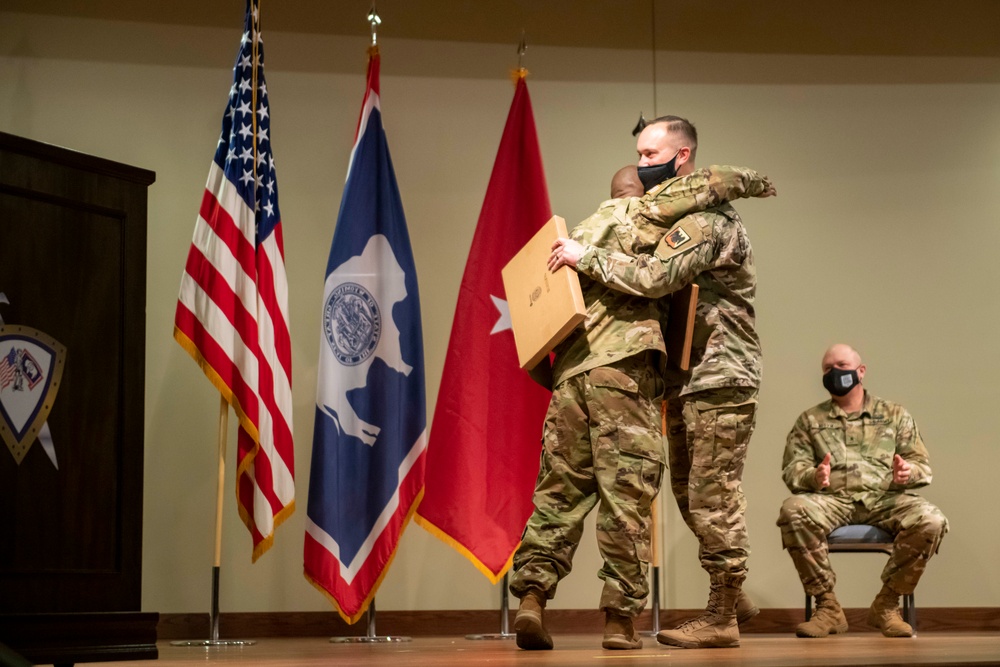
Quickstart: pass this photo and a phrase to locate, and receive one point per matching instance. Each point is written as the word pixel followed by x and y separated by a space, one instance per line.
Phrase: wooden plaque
pixel 680 326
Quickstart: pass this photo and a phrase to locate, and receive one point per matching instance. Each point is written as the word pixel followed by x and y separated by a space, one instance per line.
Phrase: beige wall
pixel 884 234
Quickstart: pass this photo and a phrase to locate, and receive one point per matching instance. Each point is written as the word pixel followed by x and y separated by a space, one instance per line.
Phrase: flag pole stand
pixel 504 617
pixel 654 532
pixel 214 617
pixel 654 588
pixel 371 637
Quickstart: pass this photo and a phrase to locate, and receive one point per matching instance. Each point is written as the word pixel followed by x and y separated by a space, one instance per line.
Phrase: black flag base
pixel 371 637
pixel 214 623
pixel 504 613
pixel 654 594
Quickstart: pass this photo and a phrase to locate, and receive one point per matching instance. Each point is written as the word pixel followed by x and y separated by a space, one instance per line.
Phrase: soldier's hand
pixel 769 189
pixel 565 252
pixel 823 472
pixel 900 470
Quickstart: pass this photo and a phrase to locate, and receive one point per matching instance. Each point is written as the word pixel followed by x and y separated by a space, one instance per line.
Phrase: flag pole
pixel 654 588
pixel 504 616
pixel 371 637
pixel 505 633
pixel 217 562
pixel 654 532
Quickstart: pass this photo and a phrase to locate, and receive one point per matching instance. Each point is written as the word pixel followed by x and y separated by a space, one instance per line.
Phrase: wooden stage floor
pixel 757 650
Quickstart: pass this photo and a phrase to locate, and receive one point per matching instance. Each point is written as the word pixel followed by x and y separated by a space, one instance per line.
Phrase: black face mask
pixel 840 382
pixel 657 173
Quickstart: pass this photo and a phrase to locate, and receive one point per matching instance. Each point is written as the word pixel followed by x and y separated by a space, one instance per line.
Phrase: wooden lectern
pixel 73 268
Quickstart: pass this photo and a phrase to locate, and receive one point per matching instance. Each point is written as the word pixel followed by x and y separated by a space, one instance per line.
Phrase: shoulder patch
pixel 676 238
pixel 683 236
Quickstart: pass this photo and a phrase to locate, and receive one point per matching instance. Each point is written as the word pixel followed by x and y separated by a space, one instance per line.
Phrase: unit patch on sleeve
pixel 677 238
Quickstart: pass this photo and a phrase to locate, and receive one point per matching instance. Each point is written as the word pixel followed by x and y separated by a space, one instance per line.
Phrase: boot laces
pixel 715 600
pixel 694 623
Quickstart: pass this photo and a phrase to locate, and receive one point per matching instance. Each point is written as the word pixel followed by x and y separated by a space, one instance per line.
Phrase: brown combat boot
pixel 716 628
pixel 529 629
pixel 828 619
pixel 745 609
pixel 884 614
pixel 619 631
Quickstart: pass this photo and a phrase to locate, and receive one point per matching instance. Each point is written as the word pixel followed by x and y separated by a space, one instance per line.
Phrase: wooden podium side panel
pixel 72 264
pixel 63 279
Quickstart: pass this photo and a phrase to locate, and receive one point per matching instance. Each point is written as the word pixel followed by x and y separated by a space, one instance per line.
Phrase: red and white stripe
pixel 7 373
pixel 232 317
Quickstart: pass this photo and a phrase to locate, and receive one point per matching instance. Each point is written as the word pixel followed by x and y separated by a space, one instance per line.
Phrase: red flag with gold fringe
pixel 485 439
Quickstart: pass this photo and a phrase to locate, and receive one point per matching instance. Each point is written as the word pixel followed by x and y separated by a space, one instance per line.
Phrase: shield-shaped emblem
pixel 31 367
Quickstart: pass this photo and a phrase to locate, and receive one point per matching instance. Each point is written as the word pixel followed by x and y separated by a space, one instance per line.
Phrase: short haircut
pixel 626 183
pixel 682 127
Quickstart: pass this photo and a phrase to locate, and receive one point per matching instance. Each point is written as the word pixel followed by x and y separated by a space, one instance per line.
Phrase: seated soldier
pixel 856 459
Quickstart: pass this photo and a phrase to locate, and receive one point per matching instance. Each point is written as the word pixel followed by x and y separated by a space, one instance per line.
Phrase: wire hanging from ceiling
pixel 652 29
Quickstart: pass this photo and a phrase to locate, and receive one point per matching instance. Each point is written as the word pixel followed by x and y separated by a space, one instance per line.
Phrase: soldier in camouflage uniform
pixel 856 459
pixel 602 443
pixel 711 408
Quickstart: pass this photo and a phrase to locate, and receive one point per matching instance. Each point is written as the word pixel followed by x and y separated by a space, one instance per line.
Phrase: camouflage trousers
pixel 807 518
pixel 708 433
pixel 601 446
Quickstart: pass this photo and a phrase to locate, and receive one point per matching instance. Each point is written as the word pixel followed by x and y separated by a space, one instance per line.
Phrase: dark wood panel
pixel 81 637
pixel 89 164
pixel 78 503
pixel 73 266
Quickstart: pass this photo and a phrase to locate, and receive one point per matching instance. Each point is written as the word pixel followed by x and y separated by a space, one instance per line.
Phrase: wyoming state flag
pixel 371 427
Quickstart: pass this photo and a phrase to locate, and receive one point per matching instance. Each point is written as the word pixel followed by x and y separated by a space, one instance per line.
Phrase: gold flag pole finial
pixel 374 20
pixel 520 72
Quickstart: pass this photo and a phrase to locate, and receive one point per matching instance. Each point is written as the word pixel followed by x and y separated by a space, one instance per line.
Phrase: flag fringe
pixel 494 577
pixel 219 383
pixel 242 466
pixel 261 548
pixel 351 620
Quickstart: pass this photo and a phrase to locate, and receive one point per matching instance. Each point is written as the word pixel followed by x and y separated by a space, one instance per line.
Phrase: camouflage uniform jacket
pixel 709 247
pixel 861 450
pixel 619 325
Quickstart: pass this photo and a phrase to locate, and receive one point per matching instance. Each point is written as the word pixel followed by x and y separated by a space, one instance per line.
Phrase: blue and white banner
pixel 370 429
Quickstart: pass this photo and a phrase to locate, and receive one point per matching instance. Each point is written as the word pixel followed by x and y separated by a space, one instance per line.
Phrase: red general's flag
pixel 485 440
pixel 232 311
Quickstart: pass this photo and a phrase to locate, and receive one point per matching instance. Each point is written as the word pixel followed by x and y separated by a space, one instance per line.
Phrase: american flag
pixel 8 368
pixel 232 312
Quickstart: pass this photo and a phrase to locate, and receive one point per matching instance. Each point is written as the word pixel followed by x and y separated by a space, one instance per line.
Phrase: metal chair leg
pixel 910 611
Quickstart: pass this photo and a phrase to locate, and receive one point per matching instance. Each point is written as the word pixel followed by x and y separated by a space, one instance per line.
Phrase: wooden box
pixel 544 306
